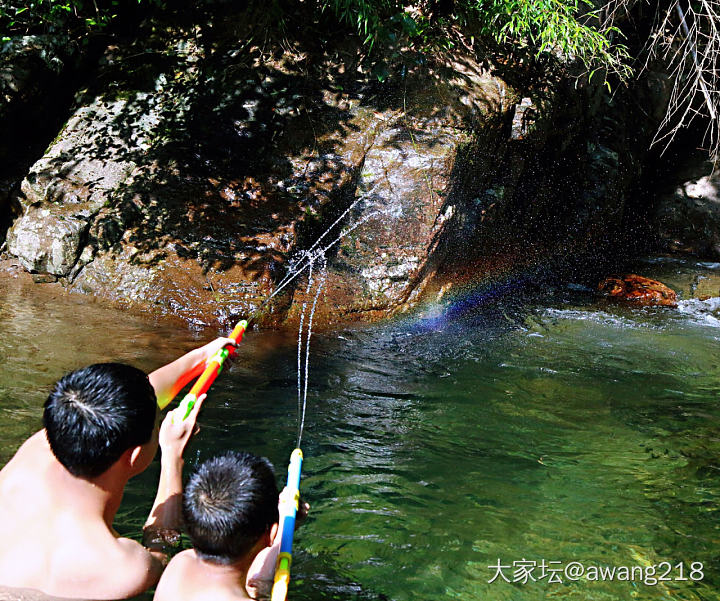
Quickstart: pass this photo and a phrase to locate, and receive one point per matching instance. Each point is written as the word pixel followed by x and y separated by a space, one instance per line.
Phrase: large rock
pixel 95 153
pixel 89 161
pixel 192 197
pixel 47 242
pixel 400 191
pixel 75 197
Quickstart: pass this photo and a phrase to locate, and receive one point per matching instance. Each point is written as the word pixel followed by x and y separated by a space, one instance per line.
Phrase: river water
pixel 443 454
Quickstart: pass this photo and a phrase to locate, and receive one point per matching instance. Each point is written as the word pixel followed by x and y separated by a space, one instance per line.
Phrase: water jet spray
pixel 290 498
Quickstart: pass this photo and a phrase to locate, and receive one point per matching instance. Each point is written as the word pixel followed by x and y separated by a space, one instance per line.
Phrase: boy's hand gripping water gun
pixel 289 505
pixel 213 367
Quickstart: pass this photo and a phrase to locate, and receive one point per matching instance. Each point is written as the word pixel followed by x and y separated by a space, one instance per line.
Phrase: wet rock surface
pixel 196 168
pixel 399 191
pixel 688 219
pixel 638 290
pixel 47 242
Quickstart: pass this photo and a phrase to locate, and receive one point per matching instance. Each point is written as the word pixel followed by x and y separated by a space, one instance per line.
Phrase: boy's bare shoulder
pixel 177 578
pixel 186 579
pixel 184 563
pixel 33 453
pixel 114 568
pixel 136 568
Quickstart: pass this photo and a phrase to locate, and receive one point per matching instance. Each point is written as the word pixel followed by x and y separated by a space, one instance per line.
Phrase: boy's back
pixel 58 545
pixel 189 578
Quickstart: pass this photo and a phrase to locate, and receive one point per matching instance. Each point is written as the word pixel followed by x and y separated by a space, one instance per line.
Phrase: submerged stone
pixel 636 289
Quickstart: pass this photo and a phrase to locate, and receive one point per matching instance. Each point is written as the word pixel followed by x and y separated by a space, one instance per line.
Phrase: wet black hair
pixel 228 504
pixel 94 414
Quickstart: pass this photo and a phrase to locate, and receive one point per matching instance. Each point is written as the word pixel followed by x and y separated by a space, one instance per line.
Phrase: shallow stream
pixel 555 428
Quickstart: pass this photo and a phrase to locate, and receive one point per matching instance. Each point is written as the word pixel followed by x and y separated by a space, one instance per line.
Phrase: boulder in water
pixel 639 290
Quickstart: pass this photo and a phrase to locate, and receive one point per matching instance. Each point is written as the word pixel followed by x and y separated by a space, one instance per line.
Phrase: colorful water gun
pixel 290 500
pixel 211 370
pixel 289 506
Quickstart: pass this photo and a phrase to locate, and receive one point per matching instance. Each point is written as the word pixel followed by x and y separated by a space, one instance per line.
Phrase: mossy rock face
pixel 214 174
pixel 94 155
pixel 79 174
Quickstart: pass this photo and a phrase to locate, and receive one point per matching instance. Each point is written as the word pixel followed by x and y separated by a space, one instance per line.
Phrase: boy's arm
pixel 162 527
pixel 261 574
pixel 172 378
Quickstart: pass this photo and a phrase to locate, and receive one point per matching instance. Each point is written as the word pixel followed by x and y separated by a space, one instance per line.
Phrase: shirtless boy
pixel 230 506
pixel 60 492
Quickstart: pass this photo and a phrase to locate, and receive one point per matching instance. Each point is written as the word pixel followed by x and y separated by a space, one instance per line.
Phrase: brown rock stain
pixel 638 290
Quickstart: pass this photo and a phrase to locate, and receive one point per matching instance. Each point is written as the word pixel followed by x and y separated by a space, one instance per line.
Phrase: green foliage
pixel 542 28
pixel 378 20
pixel 60 16
pixel 536 28
pixel 559 27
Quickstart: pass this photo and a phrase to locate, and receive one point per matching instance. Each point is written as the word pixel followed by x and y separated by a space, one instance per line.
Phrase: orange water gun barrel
pixel 213 367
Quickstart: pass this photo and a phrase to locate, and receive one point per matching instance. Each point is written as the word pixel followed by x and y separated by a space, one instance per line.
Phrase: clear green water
pixel 558 429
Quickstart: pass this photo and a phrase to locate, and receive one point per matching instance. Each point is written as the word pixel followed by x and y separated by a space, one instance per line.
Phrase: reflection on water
pixel 563 431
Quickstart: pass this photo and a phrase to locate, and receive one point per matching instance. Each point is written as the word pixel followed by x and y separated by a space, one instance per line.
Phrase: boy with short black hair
pixel 95 413
pixel 230 508
pixel 60 492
